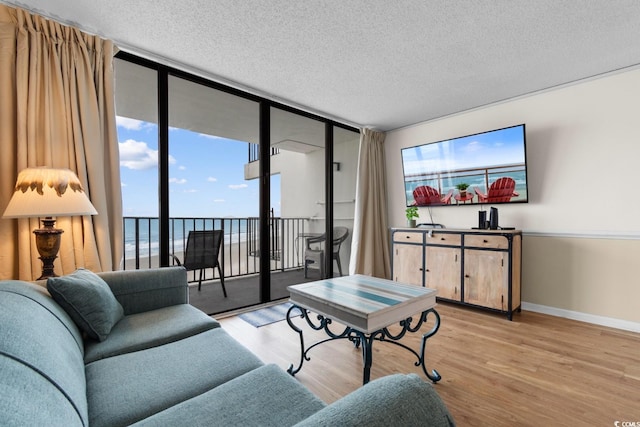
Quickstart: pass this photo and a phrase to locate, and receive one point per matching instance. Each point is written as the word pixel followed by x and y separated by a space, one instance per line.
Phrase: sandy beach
pixel 234 257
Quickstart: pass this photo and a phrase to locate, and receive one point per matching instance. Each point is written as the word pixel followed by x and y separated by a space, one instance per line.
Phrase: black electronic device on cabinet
pixel 482 220
pixel 493 219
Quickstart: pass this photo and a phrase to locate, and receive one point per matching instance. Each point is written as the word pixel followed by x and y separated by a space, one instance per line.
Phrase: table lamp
pixel 46 193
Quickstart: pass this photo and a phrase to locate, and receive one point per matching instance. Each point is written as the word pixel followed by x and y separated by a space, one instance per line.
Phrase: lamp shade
pixel 48 192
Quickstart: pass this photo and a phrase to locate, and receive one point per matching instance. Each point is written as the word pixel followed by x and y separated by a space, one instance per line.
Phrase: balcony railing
pixel 254 152
pixel 239 252
pixel 476 177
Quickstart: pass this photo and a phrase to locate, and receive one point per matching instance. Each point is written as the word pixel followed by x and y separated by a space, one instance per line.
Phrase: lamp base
pixel 48 244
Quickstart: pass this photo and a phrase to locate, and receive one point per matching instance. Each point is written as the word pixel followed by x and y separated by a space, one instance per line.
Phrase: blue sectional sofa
pixel 148 358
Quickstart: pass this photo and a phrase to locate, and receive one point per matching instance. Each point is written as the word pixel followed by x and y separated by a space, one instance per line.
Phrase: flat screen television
pixel 483 168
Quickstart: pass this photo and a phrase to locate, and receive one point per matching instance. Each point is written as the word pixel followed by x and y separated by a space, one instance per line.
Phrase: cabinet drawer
pixel 407 237
pixel 497 242
pixel 443 239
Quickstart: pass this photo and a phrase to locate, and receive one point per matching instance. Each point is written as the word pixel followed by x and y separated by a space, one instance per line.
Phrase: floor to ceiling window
pixel 192 161
pixel 137 121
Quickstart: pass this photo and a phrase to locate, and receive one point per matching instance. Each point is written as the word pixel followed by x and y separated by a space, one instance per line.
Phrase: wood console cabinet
pixel 479 268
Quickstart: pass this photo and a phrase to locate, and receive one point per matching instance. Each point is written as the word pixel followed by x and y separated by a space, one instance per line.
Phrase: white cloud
pixel 177 180
pixel 212 179
pixel 473 146
pixel 204 135
pixel 237 186
pixel 182 168
pixel 122 184
pixel 138 156
pixel 218 200
pixel 129 124
pixel 190 191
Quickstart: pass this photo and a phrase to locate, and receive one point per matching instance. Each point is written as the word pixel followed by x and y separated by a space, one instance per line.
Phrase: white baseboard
pixel 583 317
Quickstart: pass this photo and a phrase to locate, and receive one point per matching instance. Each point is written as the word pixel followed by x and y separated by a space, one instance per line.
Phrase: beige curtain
pixel 57 109
pixel 370 243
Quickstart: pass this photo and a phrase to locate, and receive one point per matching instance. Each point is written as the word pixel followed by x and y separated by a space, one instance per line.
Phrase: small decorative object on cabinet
pixel 412 214
pixel 479 268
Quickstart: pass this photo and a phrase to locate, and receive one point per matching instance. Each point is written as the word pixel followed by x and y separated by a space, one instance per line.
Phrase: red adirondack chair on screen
pixel 426 196
pixel 502 190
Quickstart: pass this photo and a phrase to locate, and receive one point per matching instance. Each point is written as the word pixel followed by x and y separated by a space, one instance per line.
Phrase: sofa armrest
pixel 144 290
pixel 394 400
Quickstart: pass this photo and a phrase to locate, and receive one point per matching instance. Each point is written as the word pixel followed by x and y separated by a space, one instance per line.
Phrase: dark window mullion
pixel 328 171
pixel 264 140
pixel 163 164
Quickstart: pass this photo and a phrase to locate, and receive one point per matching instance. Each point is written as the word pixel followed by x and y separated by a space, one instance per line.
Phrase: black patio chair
pixel 203 248
pixel 315 255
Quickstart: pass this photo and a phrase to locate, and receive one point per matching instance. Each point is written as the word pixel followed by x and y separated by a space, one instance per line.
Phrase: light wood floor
pixel 536 370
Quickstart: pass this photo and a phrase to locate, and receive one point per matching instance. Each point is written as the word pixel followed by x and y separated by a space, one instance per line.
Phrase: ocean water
pixel 235 230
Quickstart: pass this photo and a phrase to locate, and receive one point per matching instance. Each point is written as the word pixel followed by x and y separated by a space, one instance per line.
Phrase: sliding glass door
pixel 345 165
pixel 210 132
pixel 297 148
pixel 202 159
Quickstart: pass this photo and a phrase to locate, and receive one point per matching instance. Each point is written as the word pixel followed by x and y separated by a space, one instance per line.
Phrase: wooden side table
pixel 468 197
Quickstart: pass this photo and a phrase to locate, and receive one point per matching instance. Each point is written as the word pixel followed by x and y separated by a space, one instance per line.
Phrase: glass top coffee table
pixel 366 306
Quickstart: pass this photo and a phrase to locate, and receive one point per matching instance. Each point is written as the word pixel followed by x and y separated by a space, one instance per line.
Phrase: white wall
pixel 583 153
pixel 302 183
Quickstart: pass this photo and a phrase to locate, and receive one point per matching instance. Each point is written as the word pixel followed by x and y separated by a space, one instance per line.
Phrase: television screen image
pixel 483 168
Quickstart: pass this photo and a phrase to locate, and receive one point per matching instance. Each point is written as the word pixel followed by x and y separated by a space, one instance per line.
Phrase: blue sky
pixel 500 147
pixel 206 174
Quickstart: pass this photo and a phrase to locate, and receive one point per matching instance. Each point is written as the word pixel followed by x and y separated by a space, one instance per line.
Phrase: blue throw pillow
pixel 88 300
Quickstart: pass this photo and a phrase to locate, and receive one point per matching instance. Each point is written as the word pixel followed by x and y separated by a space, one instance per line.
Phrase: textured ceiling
pixel 376 63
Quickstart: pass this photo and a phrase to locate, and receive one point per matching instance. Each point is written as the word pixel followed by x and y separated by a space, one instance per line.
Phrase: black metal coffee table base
pixel 365 339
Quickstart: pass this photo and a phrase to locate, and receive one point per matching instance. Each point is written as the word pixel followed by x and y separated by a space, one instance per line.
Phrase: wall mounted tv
pixel 483 168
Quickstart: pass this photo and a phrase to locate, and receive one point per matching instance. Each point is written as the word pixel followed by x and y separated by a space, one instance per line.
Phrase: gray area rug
pixel 268 315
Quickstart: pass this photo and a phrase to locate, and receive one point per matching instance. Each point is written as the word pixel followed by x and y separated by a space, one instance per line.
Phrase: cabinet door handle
pixel 427 270
pixel 485 241
pixel 467 276
pixel 420 269
pixel 442 238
